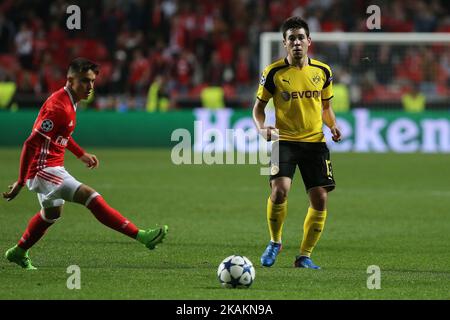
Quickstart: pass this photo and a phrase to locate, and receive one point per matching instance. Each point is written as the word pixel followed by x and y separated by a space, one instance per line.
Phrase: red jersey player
pixel 42 168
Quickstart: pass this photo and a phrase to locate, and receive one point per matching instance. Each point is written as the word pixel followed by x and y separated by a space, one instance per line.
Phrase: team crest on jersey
pixel 316 79
pixel 47 125
pixel 285 95
pixel 262 80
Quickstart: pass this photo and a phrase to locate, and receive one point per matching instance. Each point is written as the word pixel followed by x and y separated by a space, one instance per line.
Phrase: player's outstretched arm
pixel 25 162
pixel 329 118
pixel 14 190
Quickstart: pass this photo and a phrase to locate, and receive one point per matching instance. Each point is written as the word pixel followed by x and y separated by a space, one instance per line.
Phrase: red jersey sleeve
pixel 75 148
pixel 26 157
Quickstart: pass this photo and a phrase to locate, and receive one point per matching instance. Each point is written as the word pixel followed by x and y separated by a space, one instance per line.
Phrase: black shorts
pixel 312 159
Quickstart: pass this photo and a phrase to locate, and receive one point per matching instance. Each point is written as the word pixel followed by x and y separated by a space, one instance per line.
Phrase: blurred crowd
pixel 184 46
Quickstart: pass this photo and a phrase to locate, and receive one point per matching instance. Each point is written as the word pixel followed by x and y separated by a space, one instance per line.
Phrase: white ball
pixel 236 272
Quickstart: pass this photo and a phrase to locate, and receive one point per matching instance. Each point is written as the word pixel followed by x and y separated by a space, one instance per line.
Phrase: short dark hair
pixel 294 23
pixel 81 65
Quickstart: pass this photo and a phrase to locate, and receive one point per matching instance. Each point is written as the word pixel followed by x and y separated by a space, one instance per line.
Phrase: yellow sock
pixel 276 213
pixel 312 230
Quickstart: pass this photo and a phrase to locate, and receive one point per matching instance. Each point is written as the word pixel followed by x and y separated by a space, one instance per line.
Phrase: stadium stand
pixel 195 44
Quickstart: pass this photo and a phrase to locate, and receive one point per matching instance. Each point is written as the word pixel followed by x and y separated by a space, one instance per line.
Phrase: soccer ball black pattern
pixel 236 272
pixel 47 125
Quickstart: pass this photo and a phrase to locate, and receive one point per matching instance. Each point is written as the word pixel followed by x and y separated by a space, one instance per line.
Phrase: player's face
pixel 296 43
pixel 83 84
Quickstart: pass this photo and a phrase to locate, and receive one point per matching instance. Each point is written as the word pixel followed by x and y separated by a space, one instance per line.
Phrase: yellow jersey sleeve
pixel 327 90
pixel 265 89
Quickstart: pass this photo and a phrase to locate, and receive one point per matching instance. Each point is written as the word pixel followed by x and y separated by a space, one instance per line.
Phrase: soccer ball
pixel 236 272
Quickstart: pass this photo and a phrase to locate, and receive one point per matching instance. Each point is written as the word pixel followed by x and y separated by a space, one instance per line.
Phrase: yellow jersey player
pixel 301 89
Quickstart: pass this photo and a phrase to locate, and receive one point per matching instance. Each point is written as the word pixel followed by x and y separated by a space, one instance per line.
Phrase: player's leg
pixel 112 218
pixel 283 164
pixel 277 207
pixel 313 226
pixel 276 215
pixel 46 185
pixel 37 226
pixel 318 178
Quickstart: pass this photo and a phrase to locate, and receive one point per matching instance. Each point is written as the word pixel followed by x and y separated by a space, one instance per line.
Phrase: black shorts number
pixel 312 159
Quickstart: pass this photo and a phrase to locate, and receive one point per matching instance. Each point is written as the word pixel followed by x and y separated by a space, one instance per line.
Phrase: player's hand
pixel 269 133
pixel 90 160
pixel 336 134
pixel 14 190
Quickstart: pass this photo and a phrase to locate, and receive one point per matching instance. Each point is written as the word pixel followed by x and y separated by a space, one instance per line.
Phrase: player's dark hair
pixel 81 65
pixel 294 23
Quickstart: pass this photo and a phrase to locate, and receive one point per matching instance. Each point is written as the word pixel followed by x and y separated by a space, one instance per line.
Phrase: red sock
pixel 35 230
pixel 111 217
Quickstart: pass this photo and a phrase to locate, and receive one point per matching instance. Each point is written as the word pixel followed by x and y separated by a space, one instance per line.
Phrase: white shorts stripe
pixel 50 176
pixel 54 181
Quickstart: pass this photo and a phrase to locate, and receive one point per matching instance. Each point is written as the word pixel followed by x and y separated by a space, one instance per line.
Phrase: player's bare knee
pixel 52 213
pixel 278 195
pixel 84 194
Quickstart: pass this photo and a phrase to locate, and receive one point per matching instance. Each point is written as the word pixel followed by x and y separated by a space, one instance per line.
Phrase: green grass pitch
pixel 388 210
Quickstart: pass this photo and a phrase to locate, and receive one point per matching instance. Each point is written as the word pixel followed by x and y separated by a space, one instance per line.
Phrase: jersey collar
pixel 287 62
pixel 74 105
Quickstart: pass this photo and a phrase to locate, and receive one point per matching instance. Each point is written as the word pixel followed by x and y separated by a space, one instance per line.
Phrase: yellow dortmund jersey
pixel 297 95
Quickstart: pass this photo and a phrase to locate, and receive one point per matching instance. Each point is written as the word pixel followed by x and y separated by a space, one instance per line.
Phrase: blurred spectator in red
pixel 242 67
pixel 57 45
pixel 139 73
pixel 158 59
pixel 397 20
pixel 183 71
pixel 225 48
pixel 411 67
pixel 214 71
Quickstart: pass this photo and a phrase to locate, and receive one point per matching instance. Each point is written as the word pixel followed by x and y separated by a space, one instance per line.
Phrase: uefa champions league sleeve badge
pixel 47 125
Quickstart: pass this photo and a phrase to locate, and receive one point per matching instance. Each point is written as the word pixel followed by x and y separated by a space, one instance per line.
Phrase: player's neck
pixel 72 93
pixel 303 61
